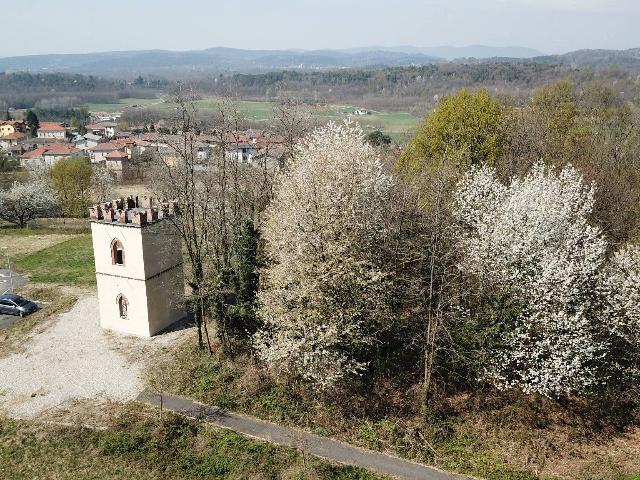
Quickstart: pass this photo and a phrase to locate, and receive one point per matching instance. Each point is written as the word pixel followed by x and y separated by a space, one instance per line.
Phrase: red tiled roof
pixel 51 127
pixel 52 149
pixel 14 136
pixel 61 149
pixel 116 155
pixel 38 152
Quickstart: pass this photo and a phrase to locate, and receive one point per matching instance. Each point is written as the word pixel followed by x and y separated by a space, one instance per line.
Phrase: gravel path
pixel 74 359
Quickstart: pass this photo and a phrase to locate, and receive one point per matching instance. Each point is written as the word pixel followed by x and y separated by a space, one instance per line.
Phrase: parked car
pixel 11 304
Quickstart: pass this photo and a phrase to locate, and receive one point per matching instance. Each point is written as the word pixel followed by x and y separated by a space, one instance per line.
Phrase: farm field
pixel 397 124
pixel 124 103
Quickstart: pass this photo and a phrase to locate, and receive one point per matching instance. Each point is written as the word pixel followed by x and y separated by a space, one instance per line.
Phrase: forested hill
pixel 625 59
pixel 224 60
pixel 27 90
pixel 208 61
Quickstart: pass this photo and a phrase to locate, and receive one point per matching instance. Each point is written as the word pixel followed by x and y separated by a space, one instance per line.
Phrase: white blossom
pixel 325 290
pixel 623 299
pixel 24 202
pixel 532 241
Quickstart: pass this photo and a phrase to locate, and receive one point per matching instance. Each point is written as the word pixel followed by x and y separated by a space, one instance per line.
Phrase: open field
pixel 19 244
pixel 393 123
pixel 124 103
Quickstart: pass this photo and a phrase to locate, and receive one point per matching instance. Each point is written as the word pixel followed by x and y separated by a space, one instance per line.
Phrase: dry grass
pixel 126 189
pixel 25 244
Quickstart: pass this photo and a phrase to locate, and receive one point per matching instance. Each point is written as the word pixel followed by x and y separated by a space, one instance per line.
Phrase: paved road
pixel 5 285
pixel 6 280
pixel 319 446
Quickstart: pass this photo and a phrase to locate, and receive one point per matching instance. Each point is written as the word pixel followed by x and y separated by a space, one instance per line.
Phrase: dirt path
pixel 75 360
pixel 308 442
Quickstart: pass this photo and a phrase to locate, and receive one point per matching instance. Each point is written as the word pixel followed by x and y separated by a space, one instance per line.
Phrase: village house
pixel 104 129
pixel 134 146
pixel 118 163
pixel 52 130
pixel 10 140
pixel 87 141
pixel 9 127
pixel 49 154
pixel 98 153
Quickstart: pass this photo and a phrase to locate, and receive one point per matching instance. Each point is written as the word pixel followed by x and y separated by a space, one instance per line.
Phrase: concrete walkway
pixel 319 446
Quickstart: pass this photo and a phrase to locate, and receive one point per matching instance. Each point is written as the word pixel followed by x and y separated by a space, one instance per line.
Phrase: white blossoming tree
pixel 532 241
pixel 27 201
pixel 623 288
pixel 325 290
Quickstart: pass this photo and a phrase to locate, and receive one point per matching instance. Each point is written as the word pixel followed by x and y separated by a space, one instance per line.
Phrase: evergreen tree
pixel 247 269
pixel 243 313
pixel 33 124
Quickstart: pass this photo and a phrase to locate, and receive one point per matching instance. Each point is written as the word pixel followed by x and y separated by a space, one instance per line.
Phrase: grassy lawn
pixel 66 263
pixel 388 122
pixel 138 446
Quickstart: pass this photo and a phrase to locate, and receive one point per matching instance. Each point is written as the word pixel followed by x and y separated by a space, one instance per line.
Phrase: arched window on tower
pixel 123 305
pixel 117 253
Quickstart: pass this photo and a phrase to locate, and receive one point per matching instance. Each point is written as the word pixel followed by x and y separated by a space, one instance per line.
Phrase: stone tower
pixel 138 257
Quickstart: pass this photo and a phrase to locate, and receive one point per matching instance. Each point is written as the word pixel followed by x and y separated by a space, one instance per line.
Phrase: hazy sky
pixel 552 26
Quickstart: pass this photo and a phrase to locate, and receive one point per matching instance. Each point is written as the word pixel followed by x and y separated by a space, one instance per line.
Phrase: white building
pixel 138 259
pixel 52 131
pixel 104 129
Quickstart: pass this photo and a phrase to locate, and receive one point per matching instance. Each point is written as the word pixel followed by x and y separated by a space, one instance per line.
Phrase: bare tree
pixel 425 258
pixel 215 192
pixel 293 120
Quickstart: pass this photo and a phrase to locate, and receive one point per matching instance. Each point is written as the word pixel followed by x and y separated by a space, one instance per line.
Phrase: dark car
pixel 11 304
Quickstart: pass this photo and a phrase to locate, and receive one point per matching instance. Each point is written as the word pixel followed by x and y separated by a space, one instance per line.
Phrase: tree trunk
pixel 196 289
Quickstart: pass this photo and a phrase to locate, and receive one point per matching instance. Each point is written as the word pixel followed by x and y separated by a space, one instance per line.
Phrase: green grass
pixel 69 263
pixel 388 122
pixel 124 103
pixel 138 446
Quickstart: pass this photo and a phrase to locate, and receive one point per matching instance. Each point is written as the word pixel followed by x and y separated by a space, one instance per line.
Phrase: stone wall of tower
pixel 151 278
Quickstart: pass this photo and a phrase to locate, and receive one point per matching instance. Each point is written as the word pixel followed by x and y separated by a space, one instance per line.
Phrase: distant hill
pixel 211 60
pixel 222 60
pixel 627 59
pixel 452 53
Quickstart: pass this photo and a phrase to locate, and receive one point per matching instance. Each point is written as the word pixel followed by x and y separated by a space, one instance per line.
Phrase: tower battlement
pixel 136 211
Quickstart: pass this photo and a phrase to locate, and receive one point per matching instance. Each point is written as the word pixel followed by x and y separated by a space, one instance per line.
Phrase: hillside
pixel 627 59
pixel 211 60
